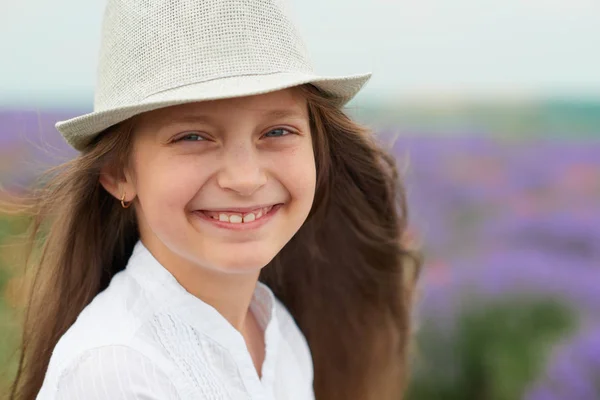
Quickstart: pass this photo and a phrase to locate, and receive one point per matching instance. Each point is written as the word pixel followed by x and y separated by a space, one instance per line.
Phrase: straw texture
pixel 162 52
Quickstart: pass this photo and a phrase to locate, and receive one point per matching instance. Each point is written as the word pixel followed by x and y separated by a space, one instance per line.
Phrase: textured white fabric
pixel 145 337
pixel 161 52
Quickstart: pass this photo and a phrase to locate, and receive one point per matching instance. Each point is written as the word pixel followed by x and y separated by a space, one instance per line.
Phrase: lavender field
pixel 512 235
pixel 510 224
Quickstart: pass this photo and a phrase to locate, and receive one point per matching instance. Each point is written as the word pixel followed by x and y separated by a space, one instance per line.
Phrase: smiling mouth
pixel 239 217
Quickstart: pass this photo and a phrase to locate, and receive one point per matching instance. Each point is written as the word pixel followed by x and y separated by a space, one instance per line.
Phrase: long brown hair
pixel 342 276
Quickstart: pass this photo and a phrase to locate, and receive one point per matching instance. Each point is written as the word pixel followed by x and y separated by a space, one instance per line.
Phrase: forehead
pixel 287 102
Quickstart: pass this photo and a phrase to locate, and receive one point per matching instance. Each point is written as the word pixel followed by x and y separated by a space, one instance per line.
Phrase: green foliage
pixel 10 228
pixel 492 353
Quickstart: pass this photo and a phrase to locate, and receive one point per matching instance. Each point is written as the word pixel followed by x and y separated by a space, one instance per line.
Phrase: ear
pixel 118 183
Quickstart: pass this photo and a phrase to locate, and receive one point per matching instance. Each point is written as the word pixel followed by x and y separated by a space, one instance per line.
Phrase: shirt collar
pixel 167 295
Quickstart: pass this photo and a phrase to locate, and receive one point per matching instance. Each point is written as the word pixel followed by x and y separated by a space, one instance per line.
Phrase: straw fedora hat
pixel 159 53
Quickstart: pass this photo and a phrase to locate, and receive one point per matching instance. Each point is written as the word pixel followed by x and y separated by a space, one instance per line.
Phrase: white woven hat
pixel 160 53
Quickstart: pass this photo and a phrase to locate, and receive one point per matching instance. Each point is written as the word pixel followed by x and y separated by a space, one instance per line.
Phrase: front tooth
pixel 259 214
pixel 223 217
pixel 249 217
pixel 235 219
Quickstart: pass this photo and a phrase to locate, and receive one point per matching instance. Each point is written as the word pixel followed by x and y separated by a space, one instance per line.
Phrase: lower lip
pixel 257 223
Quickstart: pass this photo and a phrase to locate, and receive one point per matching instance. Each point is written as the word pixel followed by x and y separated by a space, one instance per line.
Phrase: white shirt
pixel 145 337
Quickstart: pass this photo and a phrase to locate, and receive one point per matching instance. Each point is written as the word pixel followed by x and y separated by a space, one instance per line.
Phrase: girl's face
pixel 223 184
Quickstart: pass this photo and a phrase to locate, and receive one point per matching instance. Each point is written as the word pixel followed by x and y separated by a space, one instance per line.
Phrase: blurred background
pixel 493 111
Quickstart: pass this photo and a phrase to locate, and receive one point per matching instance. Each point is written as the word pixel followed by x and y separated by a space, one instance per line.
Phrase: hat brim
pixel 80 131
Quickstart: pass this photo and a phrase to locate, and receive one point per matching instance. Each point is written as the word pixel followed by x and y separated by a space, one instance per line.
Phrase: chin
pixel 242 263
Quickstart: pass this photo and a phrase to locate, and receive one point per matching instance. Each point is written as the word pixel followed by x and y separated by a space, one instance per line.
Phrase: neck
pixel 229 293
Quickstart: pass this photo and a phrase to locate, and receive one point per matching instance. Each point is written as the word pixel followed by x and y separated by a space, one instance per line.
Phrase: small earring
pixel 123 203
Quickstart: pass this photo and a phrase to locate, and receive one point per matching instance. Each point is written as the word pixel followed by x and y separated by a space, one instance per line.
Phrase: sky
pixel 415 48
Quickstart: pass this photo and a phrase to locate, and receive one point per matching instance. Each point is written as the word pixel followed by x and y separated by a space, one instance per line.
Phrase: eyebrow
pixel 283 113
pixel 208 119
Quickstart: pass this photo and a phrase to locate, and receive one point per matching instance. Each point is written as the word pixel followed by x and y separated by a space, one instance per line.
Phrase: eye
pixel 189 137
pixel 278 132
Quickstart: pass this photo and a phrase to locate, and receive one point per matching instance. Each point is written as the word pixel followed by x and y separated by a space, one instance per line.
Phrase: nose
pixel 241 171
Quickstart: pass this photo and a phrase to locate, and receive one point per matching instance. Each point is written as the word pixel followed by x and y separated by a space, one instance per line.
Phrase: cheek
pixel 297 171
pixel 166 185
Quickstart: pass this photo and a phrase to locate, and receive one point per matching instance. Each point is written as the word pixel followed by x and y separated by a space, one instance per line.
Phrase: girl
pixel 226 232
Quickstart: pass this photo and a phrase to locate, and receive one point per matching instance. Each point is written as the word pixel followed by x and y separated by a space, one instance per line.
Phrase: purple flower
pixel 574 368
